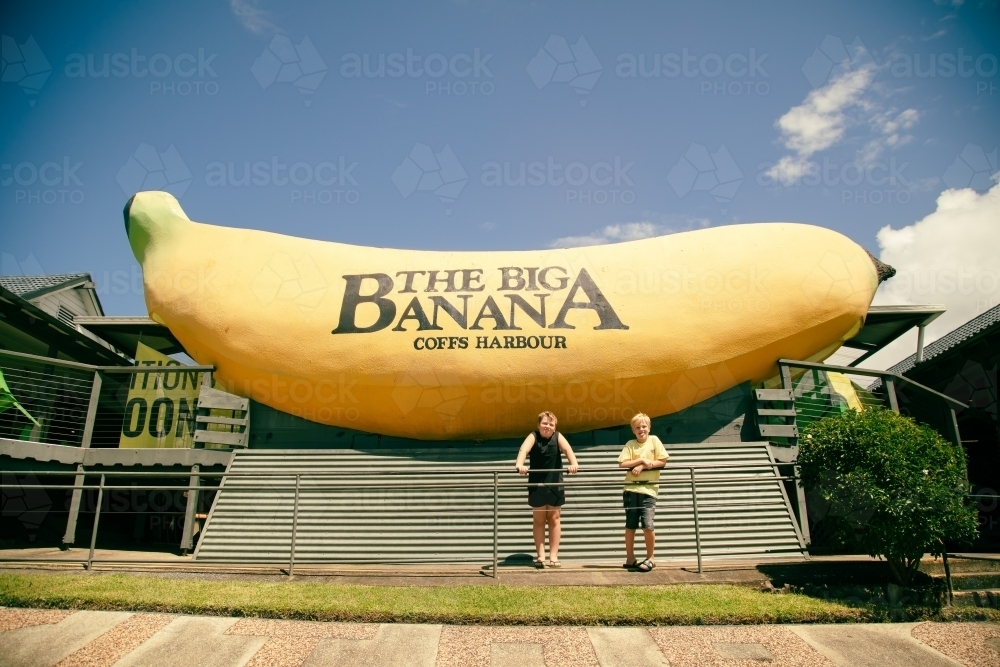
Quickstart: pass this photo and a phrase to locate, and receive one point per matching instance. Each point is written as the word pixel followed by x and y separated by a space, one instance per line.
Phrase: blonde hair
pixel 543 415
pixel 640 416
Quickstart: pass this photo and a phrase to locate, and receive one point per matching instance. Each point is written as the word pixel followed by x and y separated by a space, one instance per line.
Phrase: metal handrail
pixel 421 485
pixel 850 370
pixel 49 361
pixel 383 471
pixel 296 486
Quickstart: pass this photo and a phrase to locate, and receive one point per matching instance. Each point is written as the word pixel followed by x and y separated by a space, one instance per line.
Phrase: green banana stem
pixel 148 215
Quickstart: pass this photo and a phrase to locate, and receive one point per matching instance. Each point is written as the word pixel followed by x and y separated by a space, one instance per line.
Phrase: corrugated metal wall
pixel 383 511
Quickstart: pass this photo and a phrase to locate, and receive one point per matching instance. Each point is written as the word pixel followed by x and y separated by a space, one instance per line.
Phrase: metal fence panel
pixel 381 517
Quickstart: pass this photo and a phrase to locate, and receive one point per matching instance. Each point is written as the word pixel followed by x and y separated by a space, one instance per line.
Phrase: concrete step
pixel 980 598
pixel 978 565
pixel 967 574
pixel 971 581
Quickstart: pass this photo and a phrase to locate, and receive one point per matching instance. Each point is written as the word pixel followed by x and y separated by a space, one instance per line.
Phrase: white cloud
pixel 820 121
pixel 950 257
pixel 825 116
pixel 627 231
pixel 891 128
pixel 624 231
pixel 789 169
pixel 251 17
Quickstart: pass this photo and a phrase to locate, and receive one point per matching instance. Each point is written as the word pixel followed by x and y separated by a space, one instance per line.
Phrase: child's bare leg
pixel 629 545
pixel 650 538
pixel 538 530
pixel 555 532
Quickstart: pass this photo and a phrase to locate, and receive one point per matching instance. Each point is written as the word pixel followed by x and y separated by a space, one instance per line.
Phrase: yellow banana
pixel 473 345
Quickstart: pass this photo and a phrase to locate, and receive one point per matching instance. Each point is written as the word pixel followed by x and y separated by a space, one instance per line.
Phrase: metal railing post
pixel 97 519
pixel 800 500
pixel 88 426
pixel 786 376
pixel 947 574
pixel 786 383
pixel 496 522
pixel 88 433
pixel 187 535
pixel 697 528
pixel 953 424
pixel 76 495
pixel 890 392
pixel 295 527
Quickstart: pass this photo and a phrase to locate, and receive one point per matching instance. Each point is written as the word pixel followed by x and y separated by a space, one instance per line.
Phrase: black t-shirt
pixel 545 455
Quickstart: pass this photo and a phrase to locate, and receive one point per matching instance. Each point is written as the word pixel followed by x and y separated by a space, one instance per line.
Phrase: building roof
pixel 975 326
pixel 24 327
pixel 30 287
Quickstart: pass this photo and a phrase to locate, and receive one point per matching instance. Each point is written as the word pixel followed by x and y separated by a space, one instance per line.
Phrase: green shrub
pixel 897 485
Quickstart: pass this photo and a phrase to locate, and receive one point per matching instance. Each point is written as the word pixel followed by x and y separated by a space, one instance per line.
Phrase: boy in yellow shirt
pixel 644 457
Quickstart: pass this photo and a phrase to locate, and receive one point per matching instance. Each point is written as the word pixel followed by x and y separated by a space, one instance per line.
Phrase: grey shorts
pixel 640 509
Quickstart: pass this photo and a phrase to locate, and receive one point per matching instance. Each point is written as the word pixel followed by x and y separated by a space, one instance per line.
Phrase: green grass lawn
pixel 498 605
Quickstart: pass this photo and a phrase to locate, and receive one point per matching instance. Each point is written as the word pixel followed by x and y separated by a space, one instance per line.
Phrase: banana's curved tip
pixel 883 270
pixel 151 214
pixel 127 211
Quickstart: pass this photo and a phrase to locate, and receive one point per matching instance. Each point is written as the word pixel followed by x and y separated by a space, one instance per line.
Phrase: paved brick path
pixel 95 638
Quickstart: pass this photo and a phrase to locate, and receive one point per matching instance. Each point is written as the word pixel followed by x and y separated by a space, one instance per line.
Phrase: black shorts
pixel 640 508
pixel 540 496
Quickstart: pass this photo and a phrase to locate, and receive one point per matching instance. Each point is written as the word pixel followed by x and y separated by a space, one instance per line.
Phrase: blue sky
pixel 826 113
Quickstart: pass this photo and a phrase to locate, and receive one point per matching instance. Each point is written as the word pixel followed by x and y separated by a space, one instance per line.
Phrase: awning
pixel 885 324
pixel 126 332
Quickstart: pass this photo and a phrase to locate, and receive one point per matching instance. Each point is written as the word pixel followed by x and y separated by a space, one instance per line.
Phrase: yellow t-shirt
pixel 651 449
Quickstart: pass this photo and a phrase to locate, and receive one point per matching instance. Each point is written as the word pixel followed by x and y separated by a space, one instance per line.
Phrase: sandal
pixel 630 566
pixel 554 563
pixel 646 565
pixel 538 563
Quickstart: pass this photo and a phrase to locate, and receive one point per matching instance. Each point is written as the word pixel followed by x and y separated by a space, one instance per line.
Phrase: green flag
pixel 7 400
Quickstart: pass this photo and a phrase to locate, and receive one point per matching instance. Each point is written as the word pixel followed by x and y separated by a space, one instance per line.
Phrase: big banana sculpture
pixel 473 345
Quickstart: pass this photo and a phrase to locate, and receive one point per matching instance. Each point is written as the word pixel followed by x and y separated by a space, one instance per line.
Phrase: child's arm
pixel 523 452
pixel 568 451
pixel 634 464
pixel 640 464
pixel 647 463
pixel 630 463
